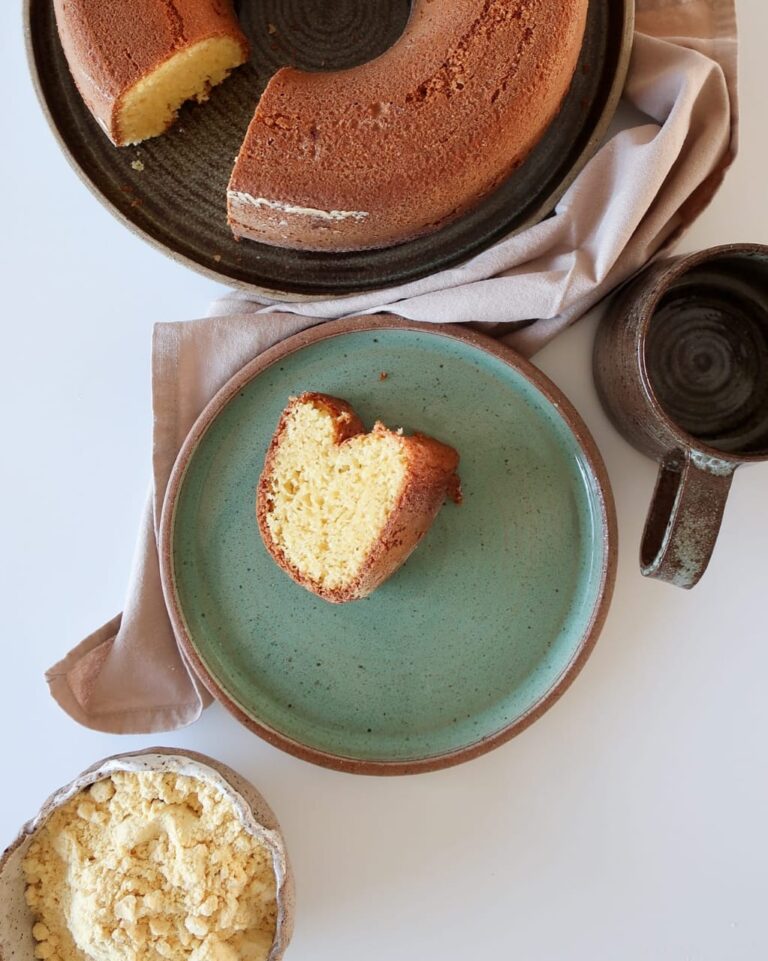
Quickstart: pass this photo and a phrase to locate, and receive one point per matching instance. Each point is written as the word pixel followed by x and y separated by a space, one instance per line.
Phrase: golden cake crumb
pixel 313 478
pixel 150 865
pixel 341 509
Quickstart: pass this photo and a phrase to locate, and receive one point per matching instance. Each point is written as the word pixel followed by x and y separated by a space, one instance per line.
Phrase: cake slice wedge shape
pixel 135 62
pixel 340 509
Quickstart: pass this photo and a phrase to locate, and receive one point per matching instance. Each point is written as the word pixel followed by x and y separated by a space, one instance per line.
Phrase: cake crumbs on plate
pixel 137 165
pixel 383 375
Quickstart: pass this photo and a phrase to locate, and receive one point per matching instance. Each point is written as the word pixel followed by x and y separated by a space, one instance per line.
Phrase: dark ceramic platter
pixel 175 196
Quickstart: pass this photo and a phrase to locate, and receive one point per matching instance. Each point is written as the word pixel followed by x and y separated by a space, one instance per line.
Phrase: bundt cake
pixel 340 509
pixel 347 160
pixel 135 62
pixel 398 147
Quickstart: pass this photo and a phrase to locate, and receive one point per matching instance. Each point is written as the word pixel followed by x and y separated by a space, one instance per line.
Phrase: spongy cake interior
pixel 149 107
pixel 329 501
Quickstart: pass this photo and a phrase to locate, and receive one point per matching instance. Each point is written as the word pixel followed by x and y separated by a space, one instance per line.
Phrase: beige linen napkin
pixel 632 201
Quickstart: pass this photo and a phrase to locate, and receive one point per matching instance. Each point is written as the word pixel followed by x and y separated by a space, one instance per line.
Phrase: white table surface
pixel 630 823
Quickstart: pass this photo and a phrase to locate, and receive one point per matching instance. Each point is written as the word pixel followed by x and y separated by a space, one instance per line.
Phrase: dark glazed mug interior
pixel 706 352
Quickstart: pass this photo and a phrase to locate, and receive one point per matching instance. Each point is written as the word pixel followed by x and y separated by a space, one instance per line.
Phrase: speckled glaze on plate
pixel 481 630
pixel 176 197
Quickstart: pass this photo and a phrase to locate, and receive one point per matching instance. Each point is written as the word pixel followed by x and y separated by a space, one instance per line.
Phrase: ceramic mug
pixel 681 366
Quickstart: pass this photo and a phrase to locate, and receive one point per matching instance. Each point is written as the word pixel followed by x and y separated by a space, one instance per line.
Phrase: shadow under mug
pixel 681 367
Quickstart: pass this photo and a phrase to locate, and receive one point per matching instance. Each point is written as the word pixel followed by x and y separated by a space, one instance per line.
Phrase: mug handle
pixel 685 517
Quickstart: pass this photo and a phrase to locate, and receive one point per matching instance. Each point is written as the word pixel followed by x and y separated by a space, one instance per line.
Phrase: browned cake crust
pixel 112 44
pixel 430 479
pixel 400 146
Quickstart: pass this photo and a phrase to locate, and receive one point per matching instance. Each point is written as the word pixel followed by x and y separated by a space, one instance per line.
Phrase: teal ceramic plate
pixel 481 630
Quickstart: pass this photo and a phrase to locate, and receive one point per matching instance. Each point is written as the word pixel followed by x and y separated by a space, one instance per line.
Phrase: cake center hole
pixel 321 34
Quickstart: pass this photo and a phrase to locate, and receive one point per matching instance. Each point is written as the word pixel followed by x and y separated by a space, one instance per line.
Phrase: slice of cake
pixel 135 62
pixel 340 509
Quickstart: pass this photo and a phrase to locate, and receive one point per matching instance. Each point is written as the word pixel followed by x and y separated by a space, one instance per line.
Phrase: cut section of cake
pixel 135 62
pixel 339 509
pixel 398 147
pixel 346 160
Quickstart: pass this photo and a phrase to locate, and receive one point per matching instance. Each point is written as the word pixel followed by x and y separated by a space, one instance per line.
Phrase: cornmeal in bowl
pixel 149 856
pixel 148 864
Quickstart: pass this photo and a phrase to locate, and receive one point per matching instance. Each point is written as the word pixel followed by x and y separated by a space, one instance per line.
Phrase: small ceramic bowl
pixel 16 941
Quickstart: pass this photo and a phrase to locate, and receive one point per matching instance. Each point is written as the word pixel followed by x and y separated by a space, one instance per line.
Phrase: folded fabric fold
pixel 632 201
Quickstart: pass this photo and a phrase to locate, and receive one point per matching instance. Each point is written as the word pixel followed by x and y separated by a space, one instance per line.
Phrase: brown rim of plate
pixel 604 493
pixel 353 280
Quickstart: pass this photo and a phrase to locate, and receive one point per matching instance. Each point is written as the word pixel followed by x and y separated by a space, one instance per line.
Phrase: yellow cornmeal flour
pixel 146 865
